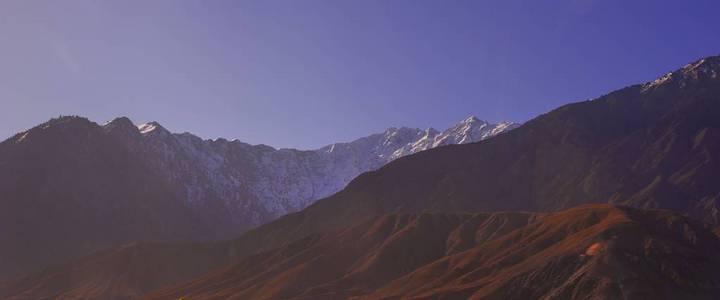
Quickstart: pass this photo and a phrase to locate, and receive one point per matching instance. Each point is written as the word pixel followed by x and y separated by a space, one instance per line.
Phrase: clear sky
pixel 307 73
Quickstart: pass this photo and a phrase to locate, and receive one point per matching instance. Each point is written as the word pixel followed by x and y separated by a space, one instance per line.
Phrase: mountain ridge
pixel 650 149
pixel 245 178
pixel 210 189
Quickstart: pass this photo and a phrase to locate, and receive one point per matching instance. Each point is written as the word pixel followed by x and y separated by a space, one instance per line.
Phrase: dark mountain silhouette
pixel 68 189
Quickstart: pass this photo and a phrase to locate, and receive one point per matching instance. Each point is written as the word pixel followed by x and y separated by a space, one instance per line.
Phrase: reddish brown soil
pixel 589 252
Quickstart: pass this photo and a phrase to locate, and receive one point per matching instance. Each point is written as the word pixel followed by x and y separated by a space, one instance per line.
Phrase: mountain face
pixel 590 252
pixel 68 189
pixel 655 145
pixel 259 183
pixel 246 185
pixel 77 187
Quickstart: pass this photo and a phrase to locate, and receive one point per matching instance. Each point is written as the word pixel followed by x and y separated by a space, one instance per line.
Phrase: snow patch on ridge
pixel 22 137
pixel 148 127
pixel 704 69
pixel 257 183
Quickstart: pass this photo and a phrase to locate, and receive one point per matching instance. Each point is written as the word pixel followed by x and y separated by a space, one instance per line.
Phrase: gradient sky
pixel 307 73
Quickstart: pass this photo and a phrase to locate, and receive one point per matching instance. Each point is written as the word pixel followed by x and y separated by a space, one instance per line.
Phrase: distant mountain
pixel 255 184
pixel 655 145
pixel 76 187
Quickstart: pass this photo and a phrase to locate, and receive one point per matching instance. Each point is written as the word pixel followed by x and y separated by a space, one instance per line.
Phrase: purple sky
pixel 307 73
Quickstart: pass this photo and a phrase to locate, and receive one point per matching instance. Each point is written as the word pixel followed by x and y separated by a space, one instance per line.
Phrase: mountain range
pixel 611 198
pixel 79 187
pixel 253 184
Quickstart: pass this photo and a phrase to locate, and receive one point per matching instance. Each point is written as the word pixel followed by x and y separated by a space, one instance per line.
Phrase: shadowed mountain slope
pixel 120 273
pixel 77 187
pixel 590 252
pixel 67 189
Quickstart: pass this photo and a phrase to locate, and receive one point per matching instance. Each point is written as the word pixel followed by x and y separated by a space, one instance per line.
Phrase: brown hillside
pixel 590 252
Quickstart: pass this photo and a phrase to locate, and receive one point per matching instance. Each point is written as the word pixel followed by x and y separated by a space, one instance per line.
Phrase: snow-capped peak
pixel 258 183
pixel 472 119
pixel 469 130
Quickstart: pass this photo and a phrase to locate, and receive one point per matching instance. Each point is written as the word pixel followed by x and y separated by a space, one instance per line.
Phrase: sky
pixel 303 74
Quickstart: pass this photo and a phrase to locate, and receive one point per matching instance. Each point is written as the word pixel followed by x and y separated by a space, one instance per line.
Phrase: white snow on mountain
pixel 704 69
pixel 469 130
pixel 256 183
pixel 147 127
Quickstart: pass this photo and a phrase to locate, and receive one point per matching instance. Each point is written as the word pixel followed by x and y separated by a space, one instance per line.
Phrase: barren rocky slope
pixel 590 252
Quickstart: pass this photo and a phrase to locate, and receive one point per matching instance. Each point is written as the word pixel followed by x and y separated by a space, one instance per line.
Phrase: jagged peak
pixel 472 119
pixel 120 122
pixel 470 122
pixel 121 126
